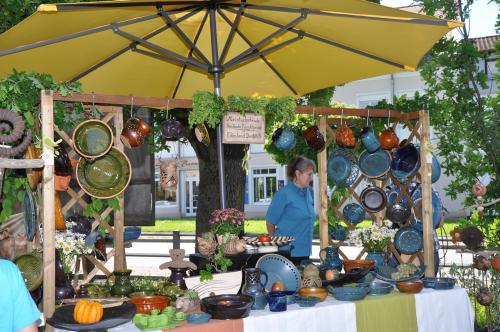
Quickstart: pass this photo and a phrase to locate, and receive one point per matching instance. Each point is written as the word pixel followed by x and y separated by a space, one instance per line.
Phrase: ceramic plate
pixel 408 240
pixel 339 168
pixel 92 138
pixel 30 215
pixel 373 199
pixel 353 213
pixel 63 318
pixel 275 241
pixel 31 267
pixel 278 268
pixel 384 273
pixel 104 177
pixel 376 164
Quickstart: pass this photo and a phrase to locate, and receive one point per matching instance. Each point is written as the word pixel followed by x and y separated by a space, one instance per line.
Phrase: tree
pixel 466 122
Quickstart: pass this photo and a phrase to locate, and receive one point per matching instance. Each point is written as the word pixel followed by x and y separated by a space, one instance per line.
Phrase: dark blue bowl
pixel 379 288
pixel 307 301
pixel 439 283
pixel 406 162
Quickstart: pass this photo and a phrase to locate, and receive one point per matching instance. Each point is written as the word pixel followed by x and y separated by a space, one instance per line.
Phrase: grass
pixel 252 226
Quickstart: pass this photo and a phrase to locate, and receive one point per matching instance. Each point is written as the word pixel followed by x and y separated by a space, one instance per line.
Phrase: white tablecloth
pixel 437 311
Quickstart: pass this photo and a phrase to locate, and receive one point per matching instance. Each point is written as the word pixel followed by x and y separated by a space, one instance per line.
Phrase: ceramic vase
pixel 376 256
pixel 63 289
pixel 177 276
pixel 122 285
pixel 255 288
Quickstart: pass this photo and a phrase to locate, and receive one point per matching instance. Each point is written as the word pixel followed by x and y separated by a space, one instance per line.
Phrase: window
pixel 265 184
pixel 371 99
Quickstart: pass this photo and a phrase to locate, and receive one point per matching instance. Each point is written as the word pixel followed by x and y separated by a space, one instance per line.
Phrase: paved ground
pixel 145 255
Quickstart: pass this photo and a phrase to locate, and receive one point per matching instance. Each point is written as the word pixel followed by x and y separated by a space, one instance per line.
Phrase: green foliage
pixel 489 226
pixel 13 191
pixel 97 205
pixel 207 108
pixel 218 263
pixel 465 121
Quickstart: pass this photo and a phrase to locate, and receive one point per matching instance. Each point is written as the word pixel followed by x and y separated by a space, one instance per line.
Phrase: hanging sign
pixel 243 129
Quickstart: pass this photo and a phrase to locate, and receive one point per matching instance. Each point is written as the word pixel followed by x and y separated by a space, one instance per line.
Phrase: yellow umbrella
pixel 172 48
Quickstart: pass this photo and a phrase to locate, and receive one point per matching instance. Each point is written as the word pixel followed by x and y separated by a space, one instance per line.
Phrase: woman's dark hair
pixel 299 163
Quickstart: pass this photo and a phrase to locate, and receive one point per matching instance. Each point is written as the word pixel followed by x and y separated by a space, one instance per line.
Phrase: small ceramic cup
pixel 277 301
pixel 370 140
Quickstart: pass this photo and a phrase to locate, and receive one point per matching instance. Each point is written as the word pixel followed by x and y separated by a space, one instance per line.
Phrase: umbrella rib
pixel 120 4
pixel 130 47
pixel 76 35
pixel 347 15
pixel 326 41
pixel 198 33
pixel 166 58
pixel 245 38
pixel 189 61
pixel 184 36
pixel 282 29
pixel 234 26
pixel 262 52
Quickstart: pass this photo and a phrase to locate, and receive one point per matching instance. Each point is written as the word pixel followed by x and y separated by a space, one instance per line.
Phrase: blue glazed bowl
pixel 198 318
pixel 348 293
pixel 405 162
pixel 307 301
pixel 379 288
pixel 436 170
pixel 284 139
pixel 353 213
pixel 290 297
pixel 439 283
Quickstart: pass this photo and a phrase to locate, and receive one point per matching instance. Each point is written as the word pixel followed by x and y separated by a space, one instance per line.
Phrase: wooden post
pixel 120 263
pixel 48 213
pixel 323 210
pixel 425 173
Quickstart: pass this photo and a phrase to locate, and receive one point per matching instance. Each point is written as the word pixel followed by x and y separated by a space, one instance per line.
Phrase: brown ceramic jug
pixel 388 139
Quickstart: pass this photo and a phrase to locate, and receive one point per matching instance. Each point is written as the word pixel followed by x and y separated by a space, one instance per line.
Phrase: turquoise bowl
pixel 348 293
pixel 198 318
pixel 307 301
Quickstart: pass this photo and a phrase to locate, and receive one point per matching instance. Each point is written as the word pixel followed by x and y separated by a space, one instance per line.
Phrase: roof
pixel 486 44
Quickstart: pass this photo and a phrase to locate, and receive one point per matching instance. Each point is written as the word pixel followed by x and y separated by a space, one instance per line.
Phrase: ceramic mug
pixel 370 140
pixel 277 301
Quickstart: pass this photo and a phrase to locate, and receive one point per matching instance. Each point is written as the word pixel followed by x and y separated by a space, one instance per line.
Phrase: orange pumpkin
pixel 60 224
pixel 87 312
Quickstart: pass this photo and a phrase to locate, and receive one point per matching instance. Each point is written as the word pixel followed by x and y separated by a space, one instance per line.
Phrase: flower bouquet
pixel 374 238
pixel 227 222
pixel 70 245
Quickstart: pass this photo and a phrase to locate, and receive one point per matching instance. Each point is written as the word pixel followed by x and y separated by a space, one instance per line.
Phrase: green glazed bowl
pixel 106 176
pixel 92 139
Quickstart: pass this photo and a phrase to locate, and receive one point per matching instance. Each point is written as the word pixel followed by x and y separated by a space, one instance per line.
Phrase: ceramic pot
pixel 177 276
pixel 62 163
pixel 388 139
pixel 122 285
pixel 370 140
pixel 376 256
pixel 345 137
pixel 172 130
pixel 330 259
pixel 314 138
pixel 254 287
pixel 277 301
pixel 143 127
pixel 61 183
pixel 284 139
pixel 134 132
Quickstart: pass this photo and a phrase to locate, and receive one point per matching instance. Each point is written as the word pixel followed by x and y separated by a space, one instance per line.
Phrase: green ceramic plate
pixel 31 267
pixel 92 138
pixel 106 176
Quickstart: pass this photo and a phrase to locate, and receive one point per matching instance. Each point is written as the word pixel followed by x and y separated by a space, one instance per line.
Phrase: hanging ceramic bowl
pixel 408 240
pixel 339 169
pixel 201 133
pixel 92 139
pixel 437 208
pixel 398 213
pixel 284 139
pixel 373 199
pixel 172 130
pixel 406 162
pixel 353 213
pixel 376 164
pixel 105 177
pixel 436 170
pixel 314 138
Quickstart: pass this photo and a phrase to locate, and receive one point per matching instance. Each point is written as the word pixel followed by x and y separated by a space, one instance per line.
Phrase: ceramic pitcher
pixel 330 259
pixel 255 288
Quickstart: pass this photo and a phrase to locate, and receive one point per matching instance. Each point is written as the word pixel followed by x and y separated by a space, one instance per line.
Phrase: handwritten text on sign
pixel 239 129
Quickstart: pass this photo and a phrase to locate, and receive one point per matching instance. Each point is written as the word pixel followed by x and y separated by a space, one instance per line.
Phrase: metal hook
pixel 342 117
pixel 389 119
pixel 93 104
pixel 368 117
pixel 168 103
pixel 132 107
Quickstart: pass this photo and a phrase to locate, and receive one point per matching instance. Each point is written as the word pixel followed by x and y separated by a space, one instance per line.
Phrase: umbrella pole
pixel 216 69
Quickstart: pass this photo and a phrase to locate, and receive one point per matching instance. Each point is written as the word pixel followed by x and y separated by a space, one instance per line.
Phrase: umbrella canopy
pixel 263 47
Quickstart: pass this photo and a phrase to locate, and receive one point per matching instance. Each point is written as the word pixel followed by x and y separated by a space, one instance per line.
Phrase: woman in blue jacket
pixel 291 212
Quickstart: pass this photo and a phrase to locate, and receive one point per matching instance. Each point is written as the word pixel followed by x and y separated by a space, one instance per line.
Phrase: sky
pixel 482 20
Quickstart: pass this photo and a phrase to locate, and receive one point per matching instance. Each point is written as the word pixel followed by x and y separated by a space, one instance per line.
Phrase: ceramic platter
pixel 278 268
pixel 408 240
pixel 275 241
pixel 63 318
pixel 376 164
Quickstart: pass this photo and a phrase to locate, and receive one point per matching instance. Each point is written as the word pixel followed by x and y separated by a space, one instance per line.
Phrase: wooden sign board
pixel 243 129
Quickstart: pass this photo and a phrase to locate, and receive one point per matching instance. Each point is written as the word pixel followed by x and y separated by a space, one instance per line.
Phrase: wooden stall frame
pixel 48 97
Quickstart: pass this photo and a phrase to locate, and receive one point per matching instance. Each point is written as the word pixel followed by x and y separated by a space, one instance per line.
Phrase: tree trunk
pixel 208 195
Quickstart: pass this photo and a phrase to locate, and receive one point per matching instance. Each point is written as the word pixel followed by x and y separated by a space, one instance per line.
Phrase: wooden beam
pixel 21 163
pixel 124 100
pixel 426 170
pixel 120 263
pixel 48 214
pixel 323 210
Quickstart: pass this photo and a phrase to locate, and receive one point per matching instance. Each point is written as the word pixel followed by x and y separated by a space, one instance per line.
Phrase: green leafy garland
pixel 209 108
